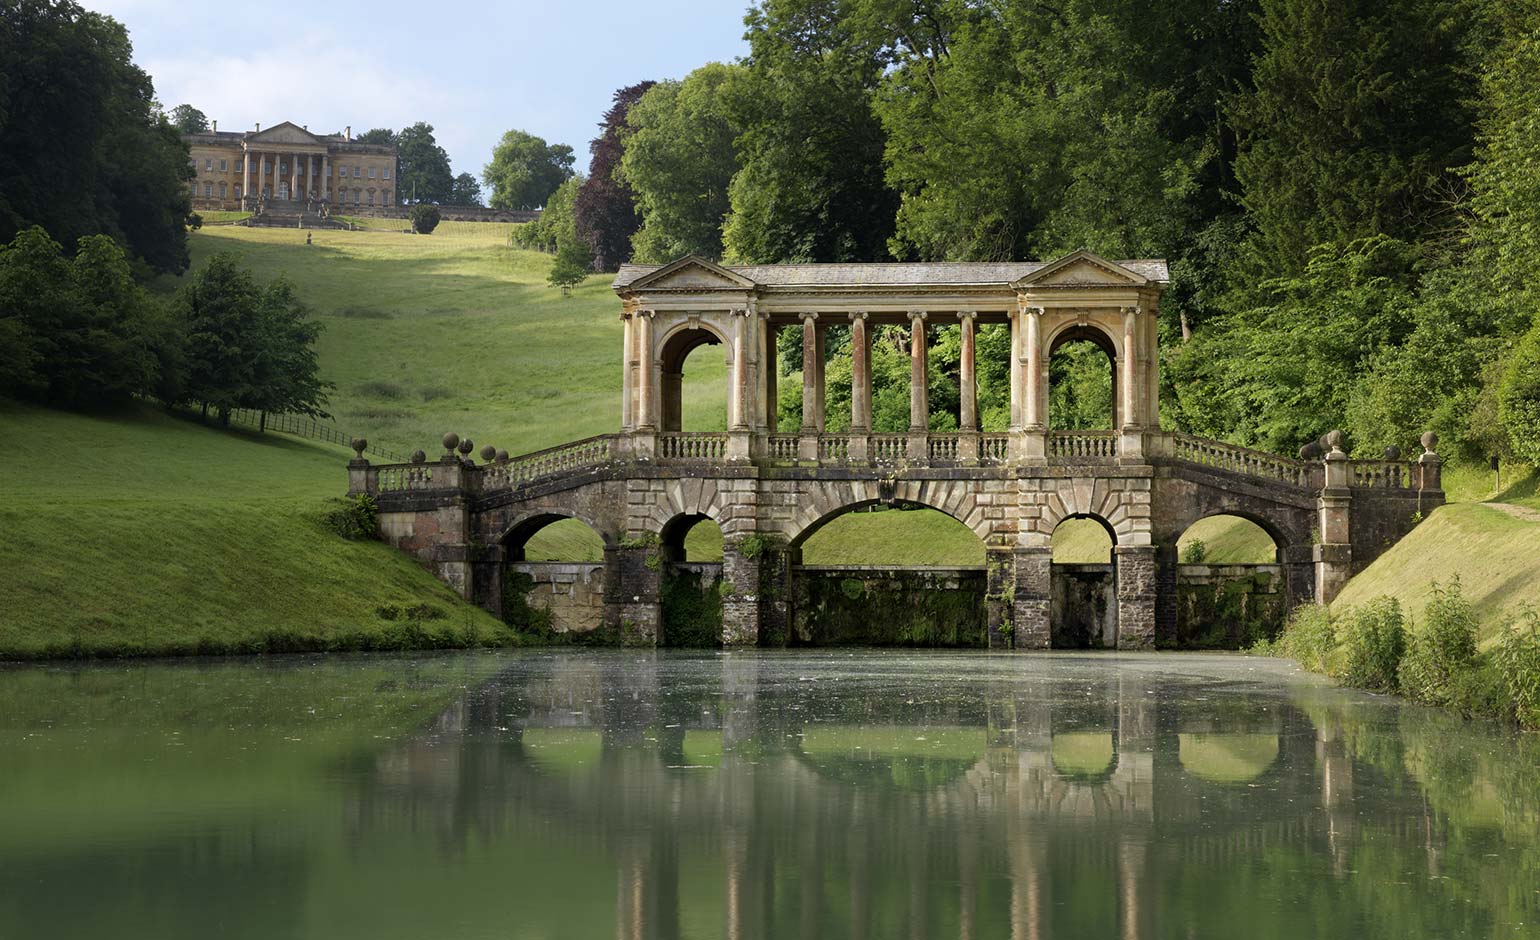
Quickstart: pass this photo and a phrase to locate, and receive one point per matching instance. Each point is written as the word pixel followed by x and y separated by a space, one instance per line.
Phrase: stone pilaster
pixel 741 606
pixel 1136 587
pixel 1298 575
pixel 1030 608
pixel 775 594
pixel 919 393
pixel 1334 552
pixel 999 595
pixel 633 586
pixel 812 382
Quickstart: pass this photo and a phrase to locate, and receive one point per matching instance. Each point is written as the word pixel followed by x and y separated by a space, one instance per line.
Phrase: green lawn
pixel 148 533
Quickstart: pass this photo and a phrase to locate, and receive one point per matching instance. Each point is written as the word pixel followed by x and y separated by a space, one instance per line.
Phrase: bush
pixel 1373 642
pixel 425 218
pixel 1517 661
pixel 1194 553
pixel 352 517
pixel 1309 637
pixel 1444 647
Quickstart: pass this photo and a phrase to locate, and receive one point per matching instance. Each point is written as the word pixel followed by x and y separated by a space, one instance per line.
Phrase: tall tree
pixel 811 185
pixel 378 135
pixel 188 119
pixel 464 191
pixel 84 149
pixel 422 166
pixel 679 160
pixel 525 170
pixel 605 212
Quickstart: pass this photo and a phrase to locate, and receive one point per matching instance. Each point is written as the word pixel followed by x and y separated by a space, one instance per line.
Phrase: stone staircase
pixel 287 214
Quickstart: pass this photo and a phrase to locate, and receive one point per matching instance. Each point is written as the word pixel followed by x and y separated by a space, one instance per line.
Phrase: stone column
pixel 645 440
pixel 627 390
pixel 919 401
pixel 1031 605
pixel 1135 574
pixel 968 392
pixel 246 179
pixel 771 372
pixel 326 178
pixel 1131 442
pixel 860 387
pixel 632 587
pixel 1334 553
pixel 741 399
pixel 812 369
pixel 294 176
pixel 1033 448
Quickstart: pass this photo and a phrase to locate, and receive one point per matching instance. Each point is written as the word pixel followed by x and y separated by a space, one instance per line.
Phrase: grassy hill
pixel 146 533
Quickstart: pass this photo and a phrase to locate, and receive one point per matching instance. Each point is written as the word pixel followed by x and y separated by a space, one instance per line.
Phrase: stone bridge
pixel 641 489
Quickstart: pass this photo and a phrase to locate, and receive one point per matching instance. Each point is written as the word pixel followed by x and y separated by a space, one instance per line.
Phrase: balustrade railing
pixel 834 447
pixel 1082 445
pixel 1245 461
pixel 401 479
pixel 565 458
pixel 692 446
pixel 888 446
pixel 1384 474
pixel 782 446
pixel 942 447
pixel 994 448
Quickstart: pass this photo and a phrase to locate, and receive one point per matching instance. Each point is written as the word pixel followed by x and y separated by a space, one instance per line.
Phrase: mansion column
pixel 919 401
pixel 294 181
pixel 860 387
pixel 326 182
pixel 245 178
pixel 967 390
pixel 812 387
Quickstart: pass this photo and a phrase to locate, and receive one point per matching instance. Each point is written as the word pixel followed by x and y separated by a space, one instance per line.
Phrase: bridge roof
pixel 885 274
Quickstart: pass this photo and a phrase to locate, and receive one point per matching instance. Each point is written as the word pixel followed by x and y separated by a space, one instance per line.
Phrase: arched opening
pixel 553 576
pixel 693 388
pixel 1083 753
pixel 690 595
pixel 1227 758
pixel 912 758
pixel 1231 590
pixel 872 574
pixel 1082 381
pixel 1083 612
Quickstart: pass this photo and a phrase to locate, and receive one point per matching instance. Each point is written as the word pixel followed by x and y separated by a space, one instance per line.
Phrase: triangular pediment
pixel 692 273
pixel 285 133
pixel 1082 269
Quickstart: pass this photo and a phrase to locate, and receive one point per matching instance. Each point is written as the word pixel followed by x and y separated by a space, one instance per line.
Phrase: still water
pixel 841 794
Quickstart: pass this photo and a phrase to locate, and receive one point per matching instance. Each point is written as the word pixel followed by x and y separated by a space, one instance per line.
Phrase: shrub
pixel 1517 660
pixel 1309 637
pixel 424 218
pixel 1194 553
pixel 1444 647
pixel 1373 642
pixel 352 517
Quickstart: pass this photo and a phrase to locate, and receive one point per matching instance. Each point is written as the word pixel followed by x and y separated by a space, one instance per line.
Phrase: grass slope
pixel 1495 555
pixel 145 533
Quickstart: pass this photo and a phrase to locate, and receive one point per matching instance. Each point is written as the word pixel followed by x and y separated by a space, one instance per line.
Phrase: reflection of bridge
pixel 641 489
pixel 1014 835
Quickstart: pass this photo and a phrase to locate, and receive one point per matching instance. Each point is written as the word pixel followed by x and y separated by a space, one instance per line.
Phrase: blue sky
pixel 547 68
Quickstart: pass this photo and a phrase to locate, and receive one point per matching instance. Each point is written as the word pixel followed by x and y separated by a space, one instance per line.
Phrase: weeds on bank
pixel 1437 662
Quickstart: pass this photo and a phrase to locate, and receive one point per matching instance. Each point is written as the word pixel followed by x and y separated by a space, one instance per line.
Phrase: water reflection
pixel 831 795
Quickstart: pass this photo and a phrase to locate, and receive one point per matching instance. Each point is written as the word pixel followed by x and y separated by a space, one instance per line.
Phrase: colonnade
pixel 301 178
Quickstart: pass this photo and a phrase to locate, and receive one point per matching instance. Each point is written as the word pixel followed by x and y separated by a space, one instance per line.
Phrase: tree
pixel 286 372
pixel 1519 397
pixel 377 135
pixel 525 170
pixel 465 191
pixel 679 160
pixel 605 210
pixel 571 265
pixel 556 224
pixel 425 218
pixel 188 119
pixel 422 166
pixel 67 75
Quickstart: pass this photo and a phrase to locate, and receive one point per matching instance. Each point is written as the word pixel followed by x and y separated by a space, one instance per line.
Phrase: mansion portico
pixel 287 163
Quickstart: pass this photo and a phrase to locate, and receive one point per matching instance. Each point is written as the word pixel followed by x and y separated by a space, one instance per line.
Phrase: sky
pixel 546 68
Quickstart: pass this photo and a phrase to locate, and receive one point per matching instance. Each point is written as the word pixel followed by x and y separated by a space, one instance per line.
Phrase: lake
pixel 840 793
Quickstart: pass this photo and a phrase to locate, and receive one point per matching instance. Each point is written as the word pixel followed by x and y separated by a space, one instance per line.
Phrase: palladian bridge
pixel 641 489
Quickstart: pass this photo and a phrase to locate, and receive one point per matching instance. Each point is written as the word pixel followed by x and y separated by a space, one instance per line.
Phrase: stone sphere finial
pixel 358 446
pixel 419 457
pixel 1429 441
pixel 451 441
pixel 1334 440
pixel 1392 452
pixel 466 446
pixel 487 453
pixel 502 455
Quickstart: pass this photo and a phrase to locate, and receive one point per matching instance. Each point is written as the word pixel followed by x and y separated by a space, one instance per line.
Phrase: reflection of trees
pixel 932 809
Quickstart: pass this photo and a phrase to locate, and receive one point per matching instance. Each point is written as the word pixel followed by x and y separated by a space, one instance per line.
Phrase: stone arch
pixel 516 535
pixel 819 503
pixel 1090 331
pixel 695 497
pixel 1103 498
pixel 674 347
pixel 1270 527
pixel 671 536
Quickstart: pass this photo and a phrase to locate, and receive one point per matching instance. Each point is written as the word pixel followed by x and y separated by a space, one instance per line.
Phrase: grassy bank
pixel 144 533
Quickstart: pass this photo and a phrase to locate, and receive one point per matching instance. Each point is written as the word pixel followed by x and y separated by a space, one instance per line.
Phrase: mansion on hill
pixel 241 169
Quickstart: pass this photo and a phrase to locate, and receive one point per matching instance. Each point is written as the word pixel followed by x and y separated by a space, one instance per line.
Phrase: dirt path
pixel 1518 512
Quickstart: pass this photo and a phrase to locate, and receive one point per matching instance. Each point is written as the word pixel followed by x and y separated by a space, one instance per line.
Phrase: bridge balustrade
pixel 1093 445
pixel 1245 461
pixel 781 447
pixel 1386 474
pixel 400 479
pixel 994 448
pixel 692 446
pixel 834 447
pixel 942 447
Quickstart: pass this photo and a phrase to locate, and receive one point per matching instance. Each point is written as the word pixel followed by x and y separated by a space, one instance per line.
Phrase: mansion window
pixel 208 190
pixel 208 165
pixel 357 172
pixel 240 166
pixel 221 190
pixel 356 194
pixel 371 197
pixel 385 198
pixel 385 173
pixel 371 172
pixel 194 186
pixel 223 166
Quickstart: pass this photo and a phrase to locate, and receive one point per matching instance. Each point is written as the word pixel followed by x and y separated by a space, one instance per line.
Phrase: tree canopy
pixel 525 170
pixel 605 210
pixel 188 119
pixel 422 173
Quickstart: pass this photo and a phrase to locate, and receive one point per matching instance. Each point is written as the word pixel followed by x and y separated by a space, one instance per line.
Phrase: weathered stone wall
pixel 573 593
pixel 1085 607
pixel 881 605
pixel 1229 606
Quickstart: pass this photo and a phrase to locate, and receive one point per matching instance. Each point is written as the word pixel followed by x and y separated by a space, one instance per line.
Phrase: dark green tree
pixel 556 224
pixel 525 170
pixel 422 166
pixel 464 191
pixel 377 135
pixel 425 218
pixel 605 211
pixel 188 119
pixel 570 266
